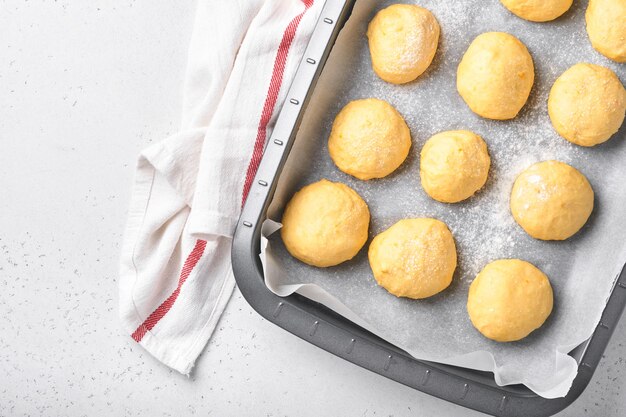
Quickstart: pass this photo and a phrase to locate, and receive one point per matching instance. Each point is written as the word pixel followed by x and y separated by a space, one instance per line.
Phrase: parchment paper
pixel 582 269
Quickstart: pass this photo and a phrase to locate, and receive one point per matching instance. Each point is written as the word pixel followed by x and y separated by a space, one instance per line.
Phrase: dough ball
pixel 551 200
pixel 325 224
pixel 587 104
pixel 495 76
pixel 454 165
pixel 537 10
pixel 509 299
pixel 403 40
pixel 369 139
pixel 414 258
pixel 606 27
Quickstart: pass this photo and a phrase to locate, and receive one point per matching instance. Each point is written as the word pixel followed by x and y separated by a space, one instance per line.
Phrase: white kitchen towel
pixel 176 275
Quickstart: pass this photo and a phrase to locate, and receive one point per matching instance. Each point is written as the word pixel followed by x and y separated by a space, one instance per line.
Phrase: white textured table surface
pixel 84 85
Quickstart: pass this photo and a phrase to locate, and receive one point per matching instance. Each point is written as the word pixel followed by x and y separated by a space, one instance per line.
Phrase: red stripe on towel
pixel 271 98
pixel 268 109
pixel 166 305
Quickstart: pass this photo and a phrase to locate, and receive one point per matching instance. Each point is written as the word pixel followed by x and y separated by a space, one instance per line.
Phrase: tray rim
pixel 320 326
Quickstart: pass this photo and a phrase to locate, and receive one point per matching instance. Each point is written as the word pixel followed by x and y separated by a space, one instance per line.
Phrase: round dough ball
pixel 454 165
pixel 403 40
pixel 537 10
pixel 414 258
pixel 509 299
pixel 606 27
pixel 325 224
pixel 369 139
pixel 551 200
pixel 495 76
pixel 587 104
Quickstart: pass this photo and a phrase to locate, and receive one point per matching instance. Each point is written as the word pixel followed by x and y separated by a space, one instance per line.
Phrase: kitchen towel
pixel 176 276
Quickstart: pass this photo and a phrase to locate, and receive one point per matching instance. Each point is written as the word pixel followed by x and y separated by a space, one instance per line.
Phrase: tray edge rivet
pixel 351 346
pixel 278 309
pixel 278 142
pixel 502 403
pixel 329 21
pixel 314 328
pixel 466 388
pixel 388 363
pixel 247 223
pixel 426 377
pixel 294 101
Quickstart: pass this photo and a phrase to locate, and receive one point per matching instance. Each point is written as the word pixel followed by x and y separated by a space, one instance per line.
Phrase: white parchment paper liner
pixel 582 270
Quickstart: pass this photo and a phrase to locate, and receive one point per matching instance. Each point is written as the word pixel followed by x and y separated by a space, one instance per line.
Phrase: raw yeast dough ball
pixel 454 165
pixel 402 40
pixel 369 139
pixel 495 76
pixel 414 258
pixel 551 200
pixel 325 224
pixel 509 299
pixel 537 10
pixel 587 104
pixel 606 27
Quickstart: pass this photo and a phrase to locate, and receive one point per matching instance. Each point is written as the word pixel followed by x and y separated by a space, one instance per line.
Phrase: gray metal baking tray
pixel 326 329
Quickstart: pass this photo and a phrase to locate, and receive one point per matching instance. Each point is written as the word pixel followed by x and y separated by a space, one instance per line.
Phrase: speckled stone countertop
pixel 83 87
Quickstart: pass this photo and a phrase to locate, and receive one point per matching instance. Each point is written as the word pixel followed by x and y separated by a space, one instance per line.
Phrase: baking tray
pixel 326 329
